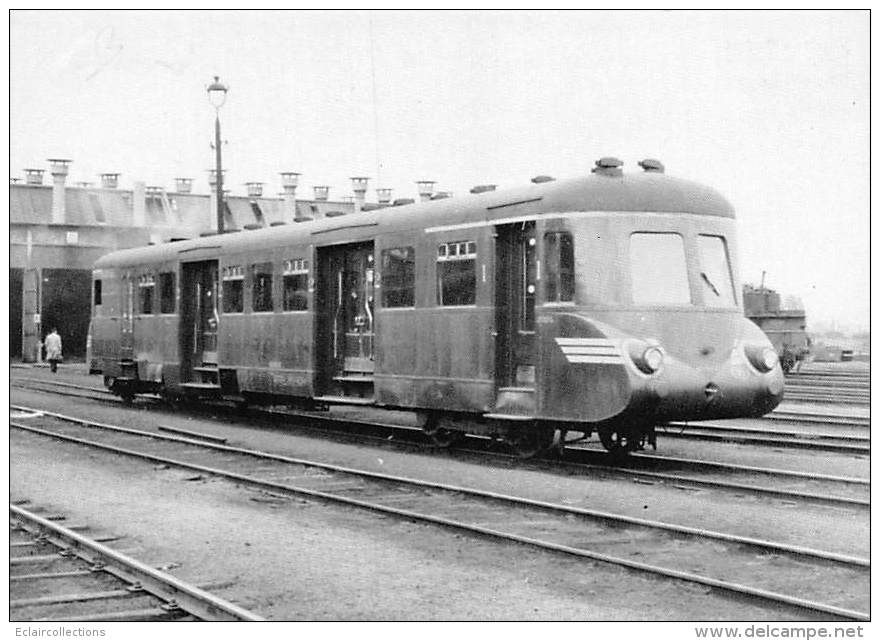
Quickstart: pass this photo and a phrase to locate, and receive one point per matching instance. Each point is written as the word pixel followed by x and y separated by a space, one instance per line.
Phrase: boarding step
pixel 515 401
pixel 347 400
pixel 349 378
pixel 509 417
pixel 201 387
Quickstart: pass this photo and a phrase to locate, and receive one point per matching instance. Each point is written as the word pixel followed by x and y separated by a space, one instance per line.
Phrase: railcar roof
pixel 646 191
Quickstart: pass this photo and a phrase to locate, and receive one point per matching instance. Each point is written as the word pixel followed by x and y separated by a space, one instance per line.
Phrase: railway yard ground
pixel 778 505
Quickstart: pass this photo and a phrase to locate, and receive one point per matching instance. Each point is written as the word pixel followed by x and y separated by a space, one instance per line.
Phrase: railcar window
pixel 658 268
pixel 398 277
pixel 146 289
pixel 559 259
pixel 716 279
pixel 261 288
pixel 98 293
pixel 457 273
pixel 167 293
pixel 233 289
pixel 296 285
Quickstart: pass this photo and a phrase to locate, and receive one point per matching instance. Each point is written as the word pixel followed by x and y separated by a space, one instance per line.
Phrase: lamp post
pixel 217 96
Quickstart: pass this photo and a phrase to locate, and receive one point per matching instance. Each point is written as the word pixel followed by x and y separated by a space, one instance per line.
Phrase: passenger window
pixel 716 279
pixel 233 289
pixel 658 268
pixel 398 277
pixel 296 285
pixel 261 288
pixel 559 260
pixel 98 293
pixel 457 273
pixel 167 293
pixel 146 288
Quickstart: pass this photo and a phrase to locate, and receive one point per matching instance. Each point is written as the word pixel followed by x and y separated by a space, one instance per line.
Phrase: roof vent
pixel 183 185
pixel 254 189
pixel 608 166
pixel 651 165
pixel 403 201
pixel 210 232
pixel 479 189
pixel 109 181
pixel 333 214
pixel 277 223
pixel 322 192
pixel 542 179
pixel 252 226
pixel 371 206
pixel 440 195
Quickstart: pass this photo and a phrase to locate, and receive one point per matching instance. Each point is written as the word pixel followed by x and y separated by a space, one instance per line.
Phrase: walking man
pixel 53 349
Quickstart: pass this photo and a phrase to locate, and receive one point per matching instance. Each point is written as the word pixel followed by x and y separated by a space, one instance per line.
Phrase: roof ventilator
pixel 651 165
pixel 542 179
pixel 608 166
pixel 479 189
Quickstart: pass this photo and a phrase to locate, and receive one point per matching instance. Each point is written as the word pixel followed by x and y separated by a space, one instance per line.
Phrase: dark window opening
pixel 146 288
pixel 398 277
pixel 167 293
pixel 295 284
pixel 457 273
pixel 261 288
pixel 559 259
pixel 98 293
pixel 258 214
pixel 233 290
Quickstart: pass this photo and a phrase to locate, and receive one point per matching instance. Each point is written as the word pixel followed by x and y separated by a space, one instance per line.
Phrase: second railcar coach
pixel 606 303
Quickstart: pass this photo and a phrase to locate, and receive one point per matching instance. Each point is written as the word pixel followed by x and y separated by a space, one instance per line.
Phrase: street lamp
pixel 217 96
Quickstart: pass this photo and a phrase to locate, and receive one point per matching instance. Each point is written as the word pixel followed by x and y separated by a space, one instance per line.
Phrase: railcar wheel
pixel 619 441
pixel 531 442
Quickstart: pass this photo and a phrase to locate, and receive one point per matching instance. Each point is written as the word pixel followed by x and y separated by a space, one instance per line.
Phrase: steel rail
pixel 829 499
pixel 731 587
pixel 755 436
pixel 166 587
pixel 680 529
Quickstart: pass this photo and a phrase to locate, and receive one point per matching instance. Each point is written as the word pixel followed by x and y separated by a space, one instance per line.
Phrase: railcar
pixel 606 304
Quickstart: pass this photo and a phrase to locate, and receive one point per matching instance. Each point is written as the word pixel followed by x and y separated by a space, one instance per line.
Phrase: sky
pixel 769 108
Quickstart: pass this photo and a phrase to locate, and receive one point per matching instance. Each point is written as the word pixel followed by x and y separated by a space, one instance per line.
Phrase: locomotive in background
pixel 786 328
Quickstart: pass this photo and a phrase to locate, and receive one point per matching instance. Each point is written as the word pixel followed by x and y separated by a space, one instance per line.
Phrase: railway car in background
pixel 605 303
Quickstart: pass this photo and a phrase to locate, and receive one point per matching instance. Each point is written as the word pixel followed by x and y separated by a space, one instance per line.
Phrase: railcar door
pixel 346 327
pixel 516 275
pixel 199 319
pixel 126 338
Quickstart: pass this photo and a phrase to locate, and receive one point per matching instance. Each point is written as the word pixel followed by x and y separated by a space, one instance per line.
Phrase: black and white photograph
pixel 392 315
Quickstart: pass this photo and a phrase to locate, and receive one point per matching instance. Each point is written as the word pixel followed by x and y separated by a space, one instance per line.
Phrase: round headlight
pixel 763 358
pixel 770 358
pixel 653 358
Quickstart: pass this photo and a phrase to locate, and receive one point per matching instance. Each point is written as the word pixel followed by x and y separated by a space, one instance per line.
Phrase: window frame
pixel 558 273
pixel 731 283
pixel 409 285
pixel 685 264
pixel 271 288
pixel 146 282
pixel 292 268
pixel 161 289
pixel 231 274
pixel 445 255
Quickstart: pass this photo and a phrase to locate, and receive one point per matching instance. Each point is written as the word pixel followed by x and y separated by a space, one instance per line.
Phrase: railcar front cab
pixel 641 323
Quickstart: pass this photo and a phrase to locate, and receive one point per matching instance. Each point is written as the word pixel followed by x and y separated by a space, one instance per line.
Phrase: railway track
pixel 832 386
pixel 679 473
pixel 59 574
pixel 824 441
pixel 778 573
